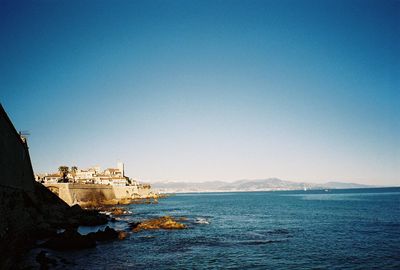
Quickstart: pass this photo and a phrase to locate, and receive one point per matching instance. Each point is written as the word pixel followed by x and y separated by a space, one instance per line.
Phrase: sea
pixel 313 229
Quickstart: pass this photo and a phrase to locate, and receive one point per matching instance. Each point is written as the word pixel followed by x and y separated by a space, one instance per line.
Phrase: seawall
pixel 94 193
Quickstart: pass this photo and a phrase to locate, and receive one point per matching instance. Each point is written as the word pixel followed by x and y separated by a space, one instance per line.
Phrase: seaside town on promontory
pixel 52 208
pixel 92 175
pixel 93 185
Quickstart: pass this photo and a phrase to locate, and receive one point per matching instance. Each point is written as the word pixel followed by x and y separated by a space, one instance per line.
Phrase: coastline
pixel 86 236
pixel 171 193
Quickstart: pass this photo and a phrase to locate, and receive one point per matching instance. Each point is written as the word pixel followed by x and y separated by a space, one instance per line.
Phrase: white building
pixel 85 174
pixel 93 175
pixel 52 178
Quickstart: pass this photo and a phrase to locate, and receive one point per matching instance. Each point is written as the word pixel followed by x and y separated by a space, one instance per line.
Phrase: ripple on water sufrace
pixel 263 230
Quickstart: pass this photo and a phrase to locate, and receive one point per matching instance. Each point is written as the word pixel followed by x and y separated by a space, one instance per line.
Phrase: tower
pixel 120 167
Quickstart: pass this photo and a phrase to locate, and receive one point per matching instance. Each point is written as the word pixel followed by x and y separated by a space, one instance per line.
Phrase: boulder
pixel 92 218
pixel 122 235
pixel 107 234
pixel 69 240
pixel 78 216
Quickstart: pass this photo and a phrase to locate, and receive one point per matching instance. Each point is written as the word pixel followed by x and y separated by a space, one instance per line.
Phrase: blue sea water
pixel 335 229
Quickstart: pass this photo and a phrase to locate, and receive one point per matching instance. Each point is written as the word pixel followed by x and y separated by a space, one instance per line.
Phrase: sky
pixel 207 90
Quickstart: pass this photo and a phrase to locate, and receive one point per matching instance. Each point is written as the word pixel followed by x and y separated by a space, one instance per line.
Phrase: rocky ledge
pixel 71 239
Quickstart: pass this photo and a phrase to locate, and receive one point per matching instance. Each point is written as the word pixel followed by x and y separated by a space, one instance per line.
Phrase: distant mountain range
pixel 269 184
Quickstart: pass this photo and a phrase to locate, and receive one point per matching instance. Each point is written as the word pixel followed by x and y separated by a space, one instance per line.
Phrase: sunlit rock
pixel 166 223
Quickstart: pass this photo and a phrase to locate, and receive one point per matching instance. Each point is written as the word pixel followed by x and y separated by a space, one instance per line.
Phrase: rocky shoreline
pixel 33 217
pixel 30 216
pixel 64 236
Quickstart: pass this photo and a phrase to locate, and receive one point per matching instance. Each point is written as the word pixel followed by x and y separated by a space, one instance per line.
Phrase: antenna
pixel 24 135
pixel 24 132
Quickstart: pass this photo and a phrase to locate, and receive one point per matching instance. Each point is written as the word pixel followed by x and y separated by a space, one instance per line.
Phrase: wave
pixel 201 220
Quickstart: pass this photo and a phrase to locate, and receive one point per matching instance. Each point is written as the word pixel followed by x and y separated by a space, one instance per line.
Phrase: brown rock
pixel 117 211
pixel 122 235
pixel 166 223
pixel 133 225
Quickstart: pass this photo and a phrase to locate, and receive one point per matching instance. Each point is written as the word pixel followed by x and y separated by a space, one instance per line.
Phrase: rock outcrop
pixel 84 217
pixel 106 235
pixel 166 223
pixel 118 211
pixel 71 239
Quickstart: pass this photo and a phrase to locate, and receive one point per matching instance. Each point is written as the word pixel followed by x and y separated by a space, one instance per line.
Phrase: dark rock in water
pixel 107 234
pixel 85 217
pixel 92 218
pixel 133 225
pixel 69 240
pixel 45 261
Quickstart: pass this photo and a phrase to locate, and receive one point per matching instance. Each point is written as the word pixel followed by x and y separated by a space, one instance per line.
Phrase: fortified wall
pixel 15 165
pixel 16 176
pixel 92 193
pixel 26 207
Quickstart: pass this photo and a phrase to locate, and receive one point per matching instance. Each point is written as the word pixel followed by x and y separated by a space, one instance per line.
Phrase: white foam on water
pixel 201 221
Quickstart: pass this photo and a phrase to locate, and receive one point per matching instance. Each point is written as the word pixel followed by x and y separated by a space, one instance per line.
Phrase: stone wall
pixel 26 207
pixel 92 193
pixel 16 177
pixel 15 164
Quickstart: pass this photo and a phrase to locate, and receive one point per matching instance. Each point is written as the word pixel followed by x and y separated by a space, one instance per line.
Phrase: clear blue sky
pixel 207 90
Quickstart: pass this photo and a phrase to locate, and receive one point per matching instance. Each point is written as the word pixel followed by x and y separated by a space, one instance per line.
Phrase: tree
pixel 64 170
pixel 74 169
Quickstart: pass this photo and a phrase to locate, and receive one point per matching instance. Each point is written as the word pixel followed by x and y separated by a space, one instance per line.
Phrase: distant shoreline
pixel 275 190
pixel 250 185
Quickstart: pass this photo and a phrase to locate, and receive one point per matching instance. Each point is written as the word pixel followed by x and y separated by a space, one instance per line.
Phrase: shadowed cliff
pixel 28 210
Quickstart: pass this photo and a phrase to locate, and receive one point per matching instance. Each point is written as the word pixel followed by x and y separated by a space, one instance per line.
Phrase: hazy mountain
pixel 344 185
pixel 248 185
